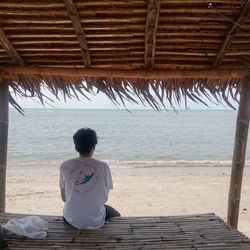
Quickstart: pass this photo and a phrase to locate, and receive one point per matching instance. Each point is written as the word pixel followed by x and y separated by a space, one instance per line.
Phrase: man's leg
pixel 66 221
pixel 111 212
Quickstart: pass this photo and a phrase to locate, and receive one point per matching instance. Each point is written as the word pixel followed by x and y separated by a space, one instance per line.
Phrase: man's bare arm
pixel 63 194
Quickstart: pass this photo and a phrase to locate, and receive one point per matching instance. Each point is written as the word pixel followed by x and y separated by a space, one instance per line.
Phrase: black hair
pixel 85 139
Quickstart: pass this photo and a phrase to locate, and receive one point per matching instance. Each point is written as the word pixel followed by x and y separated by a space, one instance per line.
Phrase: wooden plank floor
pixel 203 231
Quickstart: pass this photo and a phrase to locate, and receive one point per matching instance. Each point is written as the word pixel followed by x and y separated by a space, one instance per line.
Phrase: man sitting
pixel 85 183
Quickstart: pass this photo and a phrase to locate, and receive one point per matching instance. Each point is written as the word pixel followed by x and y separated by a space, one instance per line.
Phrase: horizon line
pixel 123 109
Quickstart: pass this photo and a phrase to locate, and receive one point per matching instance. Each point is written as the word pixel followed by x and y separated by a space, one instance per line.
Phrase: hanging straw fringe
pixel 156 93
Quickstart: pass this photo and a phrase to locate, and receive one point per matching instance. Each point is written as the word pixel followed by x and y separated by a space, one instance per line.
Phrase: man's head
pixel 85 140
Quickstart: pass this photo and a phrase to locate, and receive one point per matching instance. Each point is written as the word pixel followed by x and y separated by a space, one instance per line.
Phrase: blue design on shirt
pixel 87 178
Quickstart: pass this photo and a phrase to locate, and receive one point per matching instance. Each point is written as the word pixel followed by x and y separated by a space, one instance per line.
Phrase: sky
pixel 100 101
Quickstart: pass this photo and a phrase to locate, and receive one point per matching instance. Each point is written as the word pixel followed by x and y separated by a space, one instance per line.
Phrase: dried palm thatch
pixel 119 90
pixel 126 36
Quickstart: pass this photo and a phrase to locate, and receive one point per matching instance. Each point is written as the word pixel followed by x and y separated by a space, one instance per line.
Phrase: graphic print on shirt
pixel 84 178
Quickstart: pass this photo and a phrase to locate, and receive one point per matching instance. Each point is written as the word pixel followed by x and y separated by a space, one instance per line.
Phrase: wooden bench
pixel 202 231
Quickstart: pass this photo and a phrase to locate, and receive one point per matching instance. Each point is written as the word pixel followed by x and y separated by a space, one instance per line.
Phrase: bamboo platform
pixel 202 231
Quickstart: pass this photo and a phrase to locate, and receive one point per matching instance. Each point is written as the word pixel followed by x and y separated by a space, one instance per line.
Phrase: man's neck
pixel 86 155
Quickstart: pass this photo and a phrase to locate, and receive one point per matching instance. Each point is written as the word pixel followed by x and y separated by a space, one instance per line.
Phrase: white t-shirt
pixel 87 182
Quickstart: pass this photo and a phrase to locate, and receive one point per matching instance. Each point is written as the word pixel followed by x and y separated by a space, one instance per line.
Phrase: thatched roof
pixel 156 50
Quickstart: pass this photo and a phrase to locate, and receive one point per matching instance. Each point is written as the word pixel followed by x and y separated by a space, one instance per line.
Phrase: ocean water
pixel 139 138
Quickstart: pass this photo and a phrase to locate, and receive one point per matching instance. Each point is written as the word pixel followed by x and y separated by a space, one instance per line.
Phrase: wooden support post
pixel 4 118
pixel 238 162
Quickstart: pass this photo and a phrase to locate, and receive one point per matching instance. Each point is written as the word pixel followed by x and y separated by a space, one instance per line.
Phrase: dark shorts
pixel 111 212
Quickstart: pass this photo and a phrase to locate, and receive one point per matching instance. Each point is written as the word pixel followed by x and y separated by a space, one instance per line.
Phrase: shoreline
pixel 121 163
pixel 199 169
pixel 162 191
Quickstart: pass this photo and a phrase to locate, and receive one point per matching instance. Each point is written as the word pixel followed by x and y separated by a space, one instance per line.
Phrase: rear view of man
pixel 85 183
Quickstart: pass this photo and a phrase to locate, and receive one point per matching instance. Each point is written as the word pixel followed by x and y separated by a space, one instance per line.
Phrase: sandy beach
pixel 137 192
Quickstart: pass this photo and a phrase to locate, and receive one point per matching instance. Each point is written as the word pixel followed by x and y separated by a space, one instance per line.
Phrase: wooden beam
pixel 10 72
pixel 238 163
pixel 10 49
pixel 150 32
pixel 4 121
pixel 231 34
pixel 75 19
pixel 245 60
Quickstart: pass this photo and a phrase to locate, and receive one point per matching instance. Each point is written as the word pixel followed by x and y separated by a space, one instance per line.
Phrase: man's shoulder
pixel 99 162
pixel 69 162
pixel 76 162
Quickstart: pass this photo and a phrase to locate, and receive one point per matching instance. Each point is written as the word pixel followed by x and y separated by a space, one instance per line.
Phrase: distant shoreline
pixel 134 164
pixel 37 169
pixel 134 109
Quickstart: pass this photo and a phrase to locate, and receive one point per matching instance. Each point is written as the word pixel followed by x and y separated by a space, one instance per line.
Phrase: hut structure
pixel 154 51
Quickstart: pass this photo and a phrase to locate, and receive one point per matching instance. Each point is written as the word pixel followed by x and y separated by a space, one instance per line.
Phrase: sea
pixel 135 138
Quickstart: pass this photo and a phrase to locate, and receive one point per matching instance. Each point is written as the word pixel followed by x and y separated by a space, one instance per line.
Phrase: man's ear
pixel 92 150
